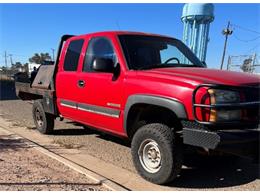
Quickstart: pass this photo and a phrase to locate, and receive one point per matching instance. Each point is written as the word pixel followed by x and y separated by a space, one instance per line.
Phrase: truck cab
pixel 152 90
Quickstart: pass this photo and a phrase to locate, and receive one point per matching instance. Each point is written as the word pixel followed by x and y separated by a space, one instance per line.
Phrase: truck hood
pixel 195 76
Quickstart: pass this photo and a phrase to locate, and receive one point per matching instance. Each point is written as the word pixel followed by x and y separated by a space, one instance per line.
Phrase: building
pixel 30 67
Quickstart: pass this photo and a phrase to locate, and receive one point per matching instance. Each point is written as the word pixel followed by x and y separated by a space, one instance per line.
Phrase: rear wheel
pixel 156 154
pixel 43 121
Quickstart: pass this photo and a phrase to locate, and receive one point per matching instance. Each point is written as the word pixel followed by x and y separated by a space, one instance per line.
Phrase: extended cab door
pixel 67 78
pixel 101 96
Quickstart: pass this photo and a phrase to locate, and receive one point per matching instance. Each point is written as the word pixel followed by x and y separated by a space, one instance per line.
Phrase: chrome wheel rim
pixel 39 118
pixel 150 156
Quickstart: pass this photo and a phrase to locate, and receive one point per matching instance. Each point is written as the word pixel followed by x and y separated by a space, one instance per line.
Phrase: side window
pixel 98 48
pixel 72 55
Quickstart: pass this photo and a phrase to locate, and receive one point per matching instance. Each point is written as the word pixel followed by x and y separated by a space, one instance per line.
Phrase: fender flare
pixel 169 103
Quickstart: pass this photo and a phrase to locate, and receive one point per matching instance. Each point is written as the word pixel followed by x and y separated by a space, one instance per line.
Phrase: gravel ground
pixel 108 148
pixel 71 135
pixel 210 174
pixel 24 168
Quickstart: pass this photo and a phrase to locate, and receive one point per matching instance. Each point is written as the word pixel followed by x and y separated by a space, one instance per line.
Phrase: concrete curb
pixel 83 170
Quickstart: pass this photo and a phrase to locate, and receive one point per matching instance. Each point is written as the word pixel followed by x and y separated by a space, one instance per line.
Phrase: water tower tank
pixel 196 18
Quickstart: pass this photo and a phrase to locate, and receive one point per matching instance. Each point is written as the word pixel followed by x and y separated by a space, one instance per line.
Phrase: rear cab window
pixel 72 55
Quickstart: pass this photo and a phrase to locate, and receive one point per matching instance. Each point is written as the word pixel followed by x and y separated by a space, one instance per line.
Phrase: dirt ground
pixel 24 168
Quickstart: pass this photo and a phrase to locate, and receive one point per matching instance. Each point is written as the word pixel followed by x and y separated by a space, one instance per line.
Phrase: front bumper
pixel 238 137
pixel 240 142
pixel 213 139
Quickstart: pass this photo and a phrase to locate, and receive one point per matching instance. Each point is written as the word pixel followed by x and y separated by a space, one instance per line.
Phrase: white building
pixel 30 67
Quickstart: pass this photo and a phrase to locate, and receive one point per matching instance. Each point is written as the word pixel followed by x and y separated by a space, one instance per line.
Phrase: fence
pixel 244 63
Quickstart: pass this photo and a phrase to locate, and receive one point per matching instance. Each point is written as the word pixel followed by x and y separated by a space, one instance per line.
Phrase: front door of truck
pixel 100 98
pixel 67 79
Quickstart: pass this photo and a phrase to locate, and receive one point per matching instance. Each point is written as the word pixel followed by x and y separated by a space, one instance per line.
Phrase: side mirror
pixel 103 65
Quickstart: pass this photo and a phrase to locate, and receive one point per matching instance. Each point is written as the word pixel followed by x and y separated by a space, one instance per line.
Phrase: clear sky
pixel 29 28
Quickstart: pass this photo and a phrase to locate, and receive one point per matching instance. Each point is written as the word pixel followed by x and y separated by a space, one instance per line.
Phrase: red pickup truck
pixel 152 90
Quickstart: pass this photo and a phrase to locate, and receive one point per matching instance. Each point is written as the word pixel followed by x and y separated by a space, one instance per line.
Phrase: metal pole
pixel 254 59
pixel 11 60
pixel 229 62
pixel 5 59
pixel 6 71
pixel 226 32
pixel 53 54
pixel 253 63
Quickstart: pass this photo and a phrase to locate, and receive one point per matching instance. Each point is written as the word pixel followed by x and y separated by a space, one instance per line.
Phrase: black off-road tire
pixel 170 150
pixel 47 120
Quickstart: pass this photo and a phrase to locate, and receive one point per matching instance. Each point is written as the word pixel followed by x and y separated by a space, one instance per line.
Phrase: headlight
pixel 225 115
pixel 218 96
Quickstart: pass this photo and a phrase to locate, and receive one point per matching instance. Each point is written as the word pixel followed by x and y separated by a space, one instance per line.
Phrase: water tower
pixel 196 18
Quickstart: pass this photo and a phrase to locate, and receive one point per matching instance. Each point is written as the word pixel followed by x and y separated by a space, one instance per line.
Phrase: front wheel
pixel 157 155
pixel 43 121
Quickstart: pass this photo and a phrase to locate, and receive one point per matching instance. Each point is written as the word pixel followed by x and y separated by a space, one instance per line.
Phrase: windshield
pixel 147 52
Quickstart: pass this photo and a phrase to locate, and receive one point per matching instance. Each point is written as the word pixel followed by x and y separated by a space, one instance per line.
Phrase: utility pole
pixel 5 59
pixel 6 63
pixel 53 54
pixel 225 32
pixel 11 59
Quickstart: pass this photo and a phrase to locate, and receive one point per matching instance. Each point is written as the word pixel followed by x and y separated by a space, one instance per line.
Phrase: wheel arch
pixel 172 105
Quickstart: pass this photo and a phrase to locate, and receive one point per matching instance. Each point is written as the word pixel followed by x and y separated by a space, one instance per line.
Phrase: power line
pixel 253 48
pixel 246 29
pixel 249 40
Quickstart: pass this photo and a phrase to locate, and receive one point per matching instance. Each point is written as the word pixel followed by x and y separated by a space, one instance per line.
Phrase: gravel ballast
pixel 24 168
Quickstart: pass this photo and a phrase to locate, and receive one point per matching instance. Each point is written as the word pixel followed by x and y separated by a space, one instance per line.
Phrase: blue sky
pixel 29 28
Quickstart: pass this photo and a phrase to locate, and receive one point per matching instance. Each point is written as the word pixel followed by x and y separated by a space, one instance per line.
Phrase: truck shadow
pixel 90 131
pixel 217 172
pixel 71 132
pixel 78 130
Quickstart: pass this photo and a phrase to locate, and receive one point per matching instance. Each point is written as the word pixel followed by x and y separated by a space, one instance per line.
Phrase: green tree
pixel 247 65
pixel 4 69
pixel 40 58
pixel 17 65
